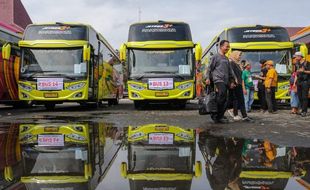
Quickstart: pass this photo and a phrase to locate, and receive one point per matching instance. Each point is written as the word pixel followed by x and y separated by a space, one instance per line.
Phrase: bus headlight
pixel 185 86
pixel 25 87
pixel 184 136
pixel 137 135
pixel 26 137
pixel 136 87
pixel 76 86
pixel 76 137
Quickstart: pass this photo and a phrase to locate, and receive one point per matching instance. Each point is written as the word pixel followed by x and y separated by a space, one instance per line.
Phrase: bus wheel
pixel 181 104
pixel 110 103
pixel 22 104
pixel 50 106
pixel 137 104
pixel 116 100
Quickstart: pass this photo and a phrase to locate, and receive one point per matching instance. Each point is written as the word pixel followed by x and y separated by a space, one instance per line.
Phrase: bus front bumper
pixel 28 91
pixel 182 91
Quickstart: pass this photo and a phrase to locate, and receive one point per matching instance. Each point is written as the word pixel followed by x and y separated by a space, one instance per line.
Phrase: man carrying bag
pixel 220 72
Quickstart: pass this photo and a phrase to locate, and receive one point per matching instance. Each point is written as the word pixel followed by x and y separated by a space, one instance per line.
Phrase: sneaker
pixel 237 118
pixel 231 112
pixel 303 114
pixel 248 119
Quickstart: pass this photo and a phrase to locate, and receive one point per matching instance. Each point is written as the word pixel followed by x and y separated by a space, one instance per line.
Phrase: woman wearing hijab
pixel 237 92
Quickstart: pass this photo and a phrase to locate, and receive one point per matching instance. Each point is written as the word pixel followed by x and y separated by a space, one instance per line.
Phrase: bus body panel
pixel 159 37
pixel 46 95
pixel 88 88
pixel 146 94
pixel 9 69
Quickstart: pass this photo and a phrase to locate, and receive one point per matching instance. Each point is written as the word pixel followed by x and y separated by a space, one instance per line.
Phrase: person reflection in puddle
pixel 223 160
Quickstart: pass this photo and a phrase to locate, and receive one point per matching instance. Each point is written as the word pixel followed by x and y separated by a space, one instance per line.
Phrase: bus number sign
pixel 160 138
pixel 160 83
pixel 50 83
pixel 50 140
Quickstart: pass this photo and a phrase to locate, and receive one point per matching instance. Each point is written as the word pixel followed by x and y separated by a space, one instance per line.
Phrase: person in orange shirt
pixel 271 83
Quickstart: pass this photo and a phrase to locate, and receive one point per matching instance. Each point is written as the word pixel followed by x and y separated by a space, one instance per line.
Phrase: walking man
pixel 220 73
pixel 303 81
pixel 271 83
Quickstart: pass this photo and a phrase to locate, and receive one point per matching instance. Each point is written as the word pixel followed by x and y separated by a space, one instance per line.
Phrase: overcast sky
pixel 206 17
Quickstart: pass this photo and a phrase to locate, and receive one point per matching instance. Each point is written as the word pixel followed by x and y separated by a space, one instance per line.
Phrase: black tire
pixel 182 105
pixel 22 104
pixel 138 104
pixel 116 100
pixel 50 106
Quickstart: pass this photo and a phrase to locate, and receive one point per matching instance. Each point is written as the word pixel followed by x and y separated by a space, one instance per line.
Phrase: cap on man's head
pixel 269 62
pixel 298 53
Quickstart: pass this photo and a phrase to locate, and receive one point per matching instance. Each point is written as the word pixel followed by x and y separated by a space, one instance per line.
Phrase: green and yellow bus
pixel 63 62
pixel 161 62
pixel 65 155
pixel 257 43
pixel 160 156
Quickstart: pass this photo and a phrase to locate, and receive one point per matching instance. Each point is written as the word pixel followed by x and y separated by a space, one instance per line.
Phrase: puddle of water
pixel 56 155
pixel 89 155
pixel 226 163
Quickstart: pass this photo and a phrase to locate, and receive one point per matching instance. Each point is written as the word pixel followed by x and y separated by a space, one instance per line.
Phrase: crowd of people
pixel 234 85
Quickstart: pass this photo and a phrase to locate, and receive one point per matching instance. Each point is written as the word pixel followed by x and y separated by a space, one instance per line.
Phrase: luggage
pixel 207 104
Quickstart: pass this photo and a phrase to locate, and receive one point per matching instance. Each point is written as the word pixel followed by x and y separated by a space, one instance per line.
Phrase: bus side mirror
pixel 6 51
pixel 86 53
pixel 122 53
pixel 198 169
pixel 198 52
pixel 304 50
pixel 8 173
pixel 124 169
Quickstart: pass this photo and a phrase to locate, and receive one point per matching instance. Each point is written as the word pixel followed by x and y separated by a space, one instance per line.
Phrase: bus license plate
pixel 160 83
pixel 51 140
pixel 51 95
pixel 160 138
pixel 161 94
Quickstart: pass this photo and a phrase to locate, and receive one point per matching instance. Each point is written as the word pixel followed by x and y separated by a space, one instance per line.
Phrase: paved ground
pixel 282 128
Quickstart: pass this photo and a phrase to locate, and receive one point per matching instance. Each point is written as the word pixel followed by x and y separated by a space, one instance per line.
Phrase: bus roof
pixel 253 26
pixel 158 22
pixel 159 31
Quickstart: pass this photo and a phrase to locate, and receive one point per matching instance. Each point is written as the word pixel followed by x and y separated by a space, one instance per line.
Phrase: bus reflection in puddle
pixel 160 156
pixel 64 156
pixel 154 156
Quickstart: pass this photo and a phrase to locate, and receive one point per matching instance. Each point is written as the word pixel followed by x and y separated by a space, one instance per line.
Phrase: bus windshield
pixel 175 61
pixel 176 159
pixel 49 62
pixel 50 161
pixel 280 58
